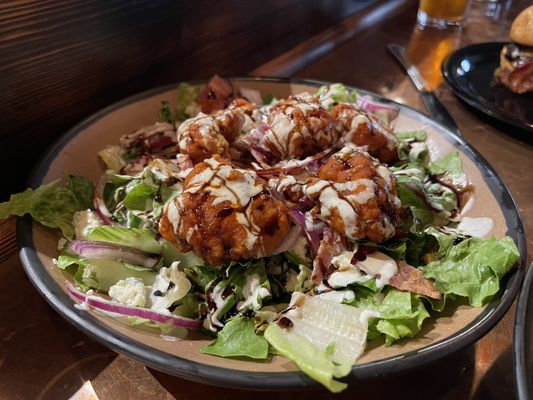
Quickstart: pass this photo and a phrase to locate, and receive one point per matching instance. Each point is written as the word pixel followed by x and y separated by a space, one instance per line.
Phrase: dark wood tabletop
pixel 44 357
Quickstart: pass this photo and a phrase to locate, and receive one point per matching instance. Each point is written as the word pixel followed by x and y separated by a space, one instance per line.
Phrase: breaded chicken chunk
pixel 204 135
pixel 357 196
pixel 362 129
pixel 225 214
pixel 298 127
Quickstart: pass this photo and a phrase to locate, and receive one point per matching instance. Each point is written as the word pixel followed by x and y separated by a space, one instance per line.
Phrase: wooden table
pixel 42 356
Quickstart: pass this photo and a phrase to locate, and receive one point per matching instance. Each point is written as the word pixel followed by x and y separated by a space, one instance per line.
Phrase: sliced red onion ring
pixel 101 250
pixel 129 311
pixel 311 163
pixel 384 111
pixel 313 236
pixel 99 203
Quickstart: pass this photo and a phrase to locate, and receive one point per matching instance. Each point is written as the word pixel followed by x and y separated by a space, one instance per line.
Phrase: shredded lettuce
pixel 473 268
pixel 238 339
pixel 51 205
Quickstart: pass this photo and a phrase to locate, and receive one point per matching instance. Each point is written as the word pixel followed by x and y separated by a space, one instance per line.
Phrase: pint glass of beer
pixel 442 13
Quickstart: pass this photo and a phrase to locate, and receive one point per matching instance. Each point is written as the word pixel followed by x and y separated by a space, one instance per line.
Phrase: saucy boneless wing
pixel 301 227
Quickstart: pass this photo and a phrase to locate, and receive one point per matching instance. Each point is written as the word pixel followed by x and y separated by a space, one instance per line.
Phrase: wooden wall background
pixel 61 60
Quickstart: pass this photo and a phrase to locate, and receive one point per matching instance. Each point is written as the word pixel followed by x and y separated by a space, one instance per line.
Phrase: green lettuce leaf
pixel 238 339
pixel 166 114
pixel 422 215
pixel 419 135
pixel 141 239
pixel 473 268
pixel 331 95
pixel 140 197
pixel 401 314
pixel 449 167
pixel 313 361
pixel 112 156
pixel 185 96
pixel 51 205
pixel 82 190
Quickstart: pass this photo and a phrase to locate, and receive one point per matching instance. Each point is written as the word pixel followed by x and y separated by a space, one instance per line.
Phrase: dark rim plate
pixel 469 73
pixel 220 376
pixel 523 339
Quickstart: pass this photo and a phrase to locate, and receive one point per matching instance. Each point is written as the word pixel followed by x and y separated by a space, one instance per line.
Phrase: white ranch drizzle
pixel 331 197
pixel 376 265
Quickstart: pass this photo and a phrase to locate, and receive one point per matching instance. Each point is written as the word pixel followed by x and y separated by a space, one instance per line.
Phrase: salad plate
pixel 76 153
pixel 523 338
pixel 469 72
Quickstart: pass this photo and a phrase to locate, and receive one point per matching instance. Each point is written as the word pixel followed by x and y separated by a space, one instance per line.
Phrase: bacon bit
pixel 216 95
pixel 331 245
pixel 411 279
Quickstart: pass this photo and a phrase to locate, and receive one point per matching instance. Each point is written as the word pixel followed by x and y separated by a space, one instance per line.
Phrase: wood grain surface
pixel 62 60
pixel 43 357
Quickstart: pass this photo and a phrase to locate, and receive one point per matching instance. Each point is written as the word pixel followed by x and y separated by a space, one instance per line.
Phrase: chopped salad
pixel 301 227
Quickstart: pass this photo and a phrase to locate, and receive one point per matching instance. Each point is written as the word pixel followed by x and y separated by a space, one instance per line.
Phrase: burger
pixel 516 59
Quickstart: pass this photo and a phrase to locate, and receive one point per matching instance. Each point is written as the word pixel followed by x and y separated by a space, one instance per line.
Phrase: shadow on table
pixel 517 134
pixel 425 383
pixel 498 381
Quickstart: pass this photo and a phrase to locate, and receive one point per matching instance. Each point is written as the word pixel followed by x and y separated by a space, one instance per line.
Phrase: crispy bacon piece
pixel 216 95
pixel 331 245
pixel 411 279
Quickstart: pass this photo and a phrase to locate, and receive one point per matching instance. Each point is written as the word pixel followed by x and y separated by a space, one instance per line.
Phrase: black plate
pixel 470 74
pixel 523 339
pixel 220 376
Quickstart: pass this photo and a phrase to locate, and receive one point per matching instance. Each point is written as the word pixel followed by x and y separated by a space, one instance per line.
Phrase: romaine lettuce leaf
pixel 141 239
pixel 82 190
pixel 422 215
pixel 112 156
pixel 238 339
pixel 473 268
pixel 331 95
pixel 324 338
pixel 419 135
pixel 450 168
pixel 185 97
pixel 313 361
pixel 140 197
pixel 51 205
pixel 401 314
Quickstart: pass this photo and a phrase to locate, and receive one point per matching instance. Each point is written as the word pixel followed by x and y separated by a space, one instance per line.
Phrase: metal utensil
pixel 435 108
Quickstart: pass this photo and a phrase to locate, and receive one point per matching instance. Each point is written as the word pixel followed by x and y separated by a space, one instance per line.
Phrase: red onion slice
pixel 385 111
pixel 101 250
pixel 129 311
pixel 99 203
pixel 313 236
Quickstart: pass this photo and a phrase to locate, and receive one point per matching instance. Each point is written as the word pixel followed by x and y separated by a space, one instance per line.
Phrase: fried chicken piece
pixel 362 129
pixel 225 214
pixel 357 196
pixel 204 135
pixel 298 127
